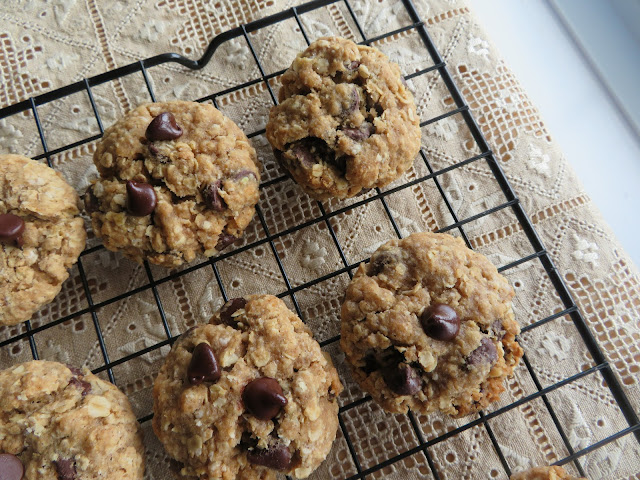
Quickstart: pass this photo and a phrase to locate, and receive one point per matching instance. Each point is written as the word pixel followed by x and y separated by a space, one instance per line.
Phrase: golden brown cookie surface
pixel 178 179
pixel 248 395
pixel 427 325
pixel 62 422
pixel 41 236
pixel 346 121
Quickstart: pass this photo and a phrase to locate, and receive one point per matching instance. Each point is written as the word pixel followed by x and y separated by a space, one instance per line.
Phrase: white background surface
pixel 577 108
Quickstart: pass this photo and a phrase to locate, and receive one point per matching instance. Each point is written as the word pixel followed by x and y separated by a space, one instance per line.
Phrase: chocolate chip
pixel 302 152
pixel 361 133
pixel 91 203
pixel 163 127
pixel 11 467
pixel 402 379
pixel 11 230
pixel 244 173
pixel 224 240
pixel 378 262
pixel 229 308
pixel 65 468
pixel 440 322
pixel 263 397
pixel 141 198
pixel 81 384
pixel 203 366
pixel 485 353
pixel 212 198
pixel 277 457
pixel 355 101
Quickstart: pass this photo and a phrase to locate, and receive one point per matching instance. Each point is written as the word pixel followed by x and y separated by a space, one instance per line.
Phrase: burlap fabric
pixel 45 45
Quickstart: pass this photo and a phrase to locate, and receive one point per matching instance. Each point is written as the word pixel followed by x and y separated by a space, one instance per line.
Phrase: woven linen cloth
pixel 48 44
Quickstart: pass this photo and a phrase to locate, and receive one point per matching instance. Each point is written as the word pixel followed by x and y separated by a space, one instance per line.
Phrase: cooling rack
pixel 326 217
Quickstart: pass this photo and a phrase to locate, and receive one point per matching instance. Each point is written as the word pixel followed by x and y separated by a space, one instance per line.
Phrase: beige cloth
pixel 47 44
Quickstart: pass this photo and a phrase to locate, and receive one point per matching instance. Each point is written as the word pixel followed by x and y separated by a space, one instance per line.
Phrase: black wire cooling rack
pixel 423 446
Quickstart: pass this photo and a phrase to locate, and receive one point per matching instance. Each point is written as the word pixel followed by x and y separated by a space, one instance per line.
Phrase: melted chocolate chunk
pixel 11 467
pixel 263 397
pixel 370 364
pixel 141 198
pixel 81 384
pixel 361 133
pixel 212 198
pixel 312 150
pixel 65 468
pixel 485 353
pixel 229 308
pixel 163 127
pixel 11 230
pixel 402 379
pixel 224 240
pixel 203 366
pixel 440 322
pixel 277 457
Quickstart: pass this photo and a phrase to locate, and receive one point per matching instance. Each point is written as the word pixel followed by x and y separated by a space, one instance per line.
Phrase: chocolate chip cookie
pixel 544 473
pixel 427 325
pixel 41 236
pixel 177 179
pixel 61 422
pixel 346 121
pixel 248 395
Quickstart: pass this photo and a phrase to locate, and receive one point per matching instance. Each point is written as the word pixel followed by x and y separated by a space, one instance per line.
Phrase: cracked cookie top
pixel 61 422
pixel 346 121
pixel 248 395
pixel 177 179
pixel 41 236
pixel 427 325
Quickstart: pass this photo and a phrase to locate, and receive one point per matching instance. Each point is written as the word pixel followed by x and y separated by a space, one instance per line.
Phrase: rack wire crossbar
pixel 512 203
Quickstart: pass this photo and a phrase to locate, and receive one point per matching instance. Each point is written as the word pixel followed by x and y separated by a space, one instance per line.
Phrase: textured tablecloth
pixel 47 44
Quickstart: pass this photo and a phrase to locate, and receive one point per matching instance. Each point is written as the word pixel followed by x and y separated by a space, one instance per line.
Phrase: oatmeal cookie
pixel 41 236
pixel 177 179
pixel 427 325
pixel 544 473
pixel 248 395
pixel 62 422
pixel 346 121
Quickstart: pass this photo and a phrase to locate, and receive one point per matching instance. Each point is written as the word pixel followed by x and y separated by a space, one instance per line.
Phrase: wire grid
pixel 601 366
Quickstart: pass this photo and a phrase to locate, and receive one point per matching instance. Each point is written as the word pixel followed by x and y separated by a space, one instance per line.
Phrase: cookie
pixel 427 325
pixel 177 180
pixel 247 396
pixel 544 473
pixel 346 121
pixel 62 422
pixel 41 236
